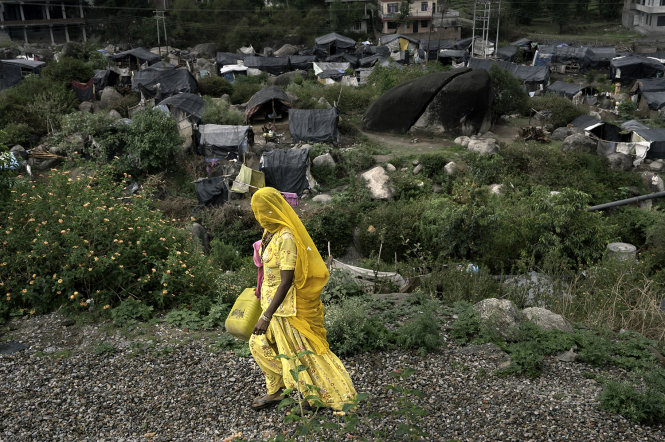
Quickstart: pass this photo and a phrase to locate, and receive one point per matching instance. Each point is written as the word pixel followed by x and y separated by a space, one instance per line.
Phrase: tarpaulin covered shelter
pixel 367 62
pixel 12 71
pixel 585 121
pixel 269 102
pixel 301 62
pixel 397 44
pixel 331 44
pixel 650 93
pixel 507 53
pixel 630 68
pixel 231 71
pixel 189 104
pixel 655 138
pixel 212 191
pixel 136 57
pixel 224 58
pixel 582 58
pixel 535 77
pixel 286 170
pixel 103 78
pixel 569 90
pixel 218 141
pixel 314 125
pixel 449 56
pixel 431 48
pixel 654 100
pixel 170 81
pixel 341 58
pixel 270 65
pixel 83 91
pixel 369 50
pixel 648 85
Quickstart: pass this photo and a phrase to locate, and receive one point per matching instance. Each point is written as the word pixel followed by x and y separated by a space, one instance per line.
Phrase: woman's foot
pixel 268 400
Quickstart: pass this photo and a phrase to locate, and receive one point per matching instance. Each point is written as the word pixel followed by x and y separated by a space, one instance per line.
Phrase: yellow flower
pixel 165 292
pixel 168 272
pixel 59 281
pixel 90 269
pixel 24 291
pixel 76 293
pixel 106 307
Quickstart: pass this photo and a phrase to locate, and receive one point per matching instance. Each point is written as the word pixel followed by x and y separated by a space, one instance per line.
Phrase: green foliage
pixel 563 111
pixel 245 87
pixel 409 186
pixel 626 109
pixel 409 414
pixel 224 255
pixel 220 112
pixel 384 78
pixel 451 282
pixel 228 342
pixel 109 138
pixel 15 133
pixel 129 311
pixel 127 101
pixel 433 166
pixel 340 286
pixel 68 69
pixel 186 319
pixel 214 86
pixel 216 315
pixel 467 325
pixel 72 239
pixel 641 400
pixel 353 329
pixel 332 224
pixel 152 144
pixel 509 96
pixel 105 348
pixel 421 333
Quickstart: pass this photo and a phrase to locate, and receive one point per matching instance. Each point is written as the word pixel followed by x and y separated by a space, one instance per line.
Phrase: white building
pixel 644 16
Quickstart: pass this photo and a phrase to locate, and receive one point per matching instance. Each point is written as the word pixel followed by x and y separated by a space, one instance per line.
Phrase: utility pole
pixel 159 16
pixel 482 12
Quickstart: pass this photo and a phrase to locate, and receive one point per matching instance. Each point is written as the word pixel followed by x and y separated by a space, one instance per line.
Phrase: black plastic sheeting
pixel 655 100
pixel 212 191
pixel 584 121
pixel 507 53
pixel 564 88
pixel 186 102
pixel 314 125
pixel 271 65
pixel 656 137
pixel 286 170
pixel 648 85
pixel 171 81
pixel 528 74
pixel 101 78
pixel 83 91
pixel 10 75
pixel 331 44
pixel 344 58
pixel 265 97
pixel 301 62
pixel 142 54
pixel 586 57
pixel 224 58
pixel 631 68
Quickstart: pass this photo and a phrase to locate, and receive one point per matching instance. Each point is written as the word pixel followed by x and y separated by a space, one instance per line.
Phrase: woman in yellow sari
pixel 292 319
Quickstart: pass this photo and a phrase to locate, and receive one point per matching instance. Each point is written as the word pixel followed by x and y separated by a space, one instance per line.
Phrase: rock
pixel 450 168
pixel 322 198
pixel 226 98
pixel 378 183
pixel 500 316
pixel 208 49
pixel 657 183
pixel 109 97
pixel 534 287
pixel 567 356
pixel 547 319
pixel 323 102
pixel 269 146
pixel 198 231
pixel 656 165
pixel 483 146
pixel 561 133
pixel 437 188
pixel 455 101
pixel 293 98
pixel 47 164
pixel 620 161
pixel 462 141
pixel 267 51
pixel 497 189
pixel 86 107
pixel 286 50
pixel 579 143
pixel 622 251
pixel 324 160
pixel 285 78
pixel 390 167
pixel 595 115
pixel 20 151
pixel 306 146
pixel 417 169
pixel 114 115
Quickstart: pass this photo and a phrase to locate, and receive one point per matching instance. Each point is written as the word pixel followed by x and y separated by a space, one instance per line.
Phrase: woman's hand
pixel 261 327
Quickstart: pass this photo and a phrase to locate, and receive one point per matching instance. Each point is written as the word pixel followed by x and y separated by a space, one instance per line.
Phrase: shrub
pixel 509 96
pixel 409 186
pixel 68 69
pixel 641 404
pixel 127 102
pixel 224 255
pixel 245 87
pixel 72 239
pixel 626 109
pixel 15 133
pixel 526 358
pixel 340 286
pixel 152 144
pixel 220 112
pixel 215 86
pixel 421 333
pixel 130 310
pixel 108 137
pixel 332 224
pixel 563 111
pixel 217 315
pixel 184 319
pixel 353 329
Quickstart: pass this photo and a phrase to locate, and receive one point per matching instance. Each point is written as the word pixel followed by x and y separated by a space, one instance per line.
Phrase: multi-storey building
pixel 644 16
pixel 42 20
pixel 423 18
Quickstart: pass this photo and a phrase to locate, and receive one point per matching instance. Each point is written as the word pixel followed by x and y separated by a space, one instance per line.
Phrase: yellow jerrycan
pixel 244 314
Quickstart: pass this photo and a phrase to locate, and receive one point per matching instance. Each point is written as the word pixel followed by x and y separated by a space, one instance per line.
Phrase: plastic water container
pixel 244 314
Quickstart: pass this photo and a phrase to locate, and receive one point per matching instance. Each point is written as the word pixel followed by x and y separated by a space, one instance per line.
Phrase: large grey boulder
pixel 462 140
pixel 620 161
pixel 579 143
pixel 456 101
pixel 207 49
pixel 114 115
pixel 286 50
pixel 86 107
pixel 652 181
pixel 547 319
pixel 483 146
pixel 285 79
pixel 323 198
pixel 109 97
pixel 499 316
pixel 324 160
pixel 378 183
pixel 561 133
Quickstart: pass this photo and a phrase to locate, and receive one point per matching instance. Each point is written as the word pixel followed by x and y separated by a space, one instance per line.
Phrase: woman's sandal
pixel 264 402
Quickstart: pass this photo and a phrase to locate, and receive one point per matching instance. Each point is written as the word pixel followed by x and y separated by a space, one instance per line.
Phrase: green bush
pixel 216 315
pixel 183 318
pixel 15 133
pixel 353 329
pixel 409 186
pixel 245 87
pixel 67 70
pixel 626 109
pixel 224 256
pixel 332 224
pixel 220 112
pixel 562 109
pixel 130 310
pixel 467 325
pixel 421 333
pixel 384 78
pixel 509 96
pixel 641 400
pixel 69 240
pixel 152 144
pixel 127 102
pixel 340 286
pixel 215 86
pixel 108 136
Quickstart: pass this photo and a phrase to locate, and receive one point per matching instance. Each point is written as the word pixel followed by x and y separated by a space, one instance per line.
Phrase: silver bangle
pixel 265 318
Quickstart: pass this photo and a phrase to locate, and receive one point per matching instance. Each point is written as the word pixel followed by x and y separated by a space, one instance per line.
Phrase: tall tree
pixel 524 11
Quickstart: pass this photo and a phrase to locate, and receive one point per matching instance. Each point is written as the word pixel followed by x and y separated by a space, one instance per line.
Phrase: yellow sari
pixel 297 324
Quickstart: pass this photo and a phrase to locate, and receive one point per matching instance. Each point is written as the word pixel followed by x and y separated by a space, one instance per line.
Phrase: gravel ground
pixel 169 384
